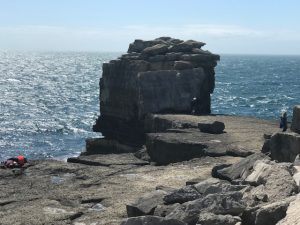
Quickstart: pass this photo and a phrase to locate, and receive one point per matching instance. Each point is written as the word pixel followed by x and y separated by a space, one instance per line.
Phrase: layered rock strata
pixel 158 76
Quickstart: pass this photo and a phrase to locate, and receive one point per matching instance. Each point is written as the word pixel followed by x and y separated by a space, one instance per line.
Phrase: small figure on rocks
pixel 12 163
pixel 194 104
pixel 283 121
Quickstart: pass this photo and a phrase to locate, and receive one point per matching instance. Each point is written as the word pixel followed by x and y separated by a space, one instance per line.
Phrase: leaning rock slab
pixel 185 194
pixel 221 203
pixel 146 204
pixel 240 170
pixel 295 126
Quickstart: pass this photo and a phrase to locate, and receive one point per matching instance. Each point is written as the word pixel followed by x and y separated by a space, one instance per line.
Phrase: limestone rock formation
pixel 162 75
pixel 296 119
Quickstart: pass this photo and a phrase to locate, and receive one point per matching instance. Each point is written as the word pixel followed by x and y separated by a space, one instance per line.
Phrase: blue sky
pixel 227 26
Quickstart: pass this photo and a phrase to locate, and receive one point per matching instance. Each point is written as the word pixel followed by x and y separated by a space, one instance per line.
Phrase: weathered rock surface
pixel 221 203
pixel 295 126
pixel 185 194
pixel 108 160
pixel 163 210
pixel 54 192
pixel 146 204
pixel 285 146
pixel 106 146
pixel 270 175
pixel 167 148
pixel 174 138
pixel 151 220
pixel 215 127
pixel 240 170
pixel 267 214
pixel 213 219
pixel 162 75
pixel 292 213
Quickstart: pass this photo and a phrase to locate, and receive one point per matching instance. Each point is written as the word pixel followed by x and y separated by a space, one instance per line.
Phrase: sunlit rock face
pixel 158 76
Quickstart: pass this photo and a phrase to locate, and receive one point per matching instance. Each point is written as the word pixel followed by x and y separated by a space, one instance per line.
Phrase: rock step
pixel 108 160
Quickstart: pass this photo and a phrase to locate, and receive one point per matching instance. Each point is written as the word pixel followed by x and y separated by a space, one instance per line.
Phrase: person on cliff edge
pixel 15 162
pixel 283 121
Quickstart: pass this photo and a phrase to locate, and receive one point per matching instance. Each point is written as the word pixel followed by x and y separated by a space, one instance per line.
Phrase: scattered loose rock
pixel 146 205
pixel 215 127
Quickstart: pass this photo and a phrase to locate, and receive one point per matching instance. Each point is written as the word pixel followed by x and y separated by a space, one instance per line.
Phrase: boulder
pixel 220 203
pixel 186 46
pixel 152 78
pixel 151 220
pixel 163 210
pixel 213 219
pixel 223 187
pixel 146 204
pixel 276 179
pixel 240 170
pixel 166 148
pixel 185 194
pixel 139 45
pixel 295 126
pixel 203 185
pixel 215 127
pixel 239 151
pixel 272 213
pixel 292 213
pixel 155 50
pixel 267 214
pixel 285 146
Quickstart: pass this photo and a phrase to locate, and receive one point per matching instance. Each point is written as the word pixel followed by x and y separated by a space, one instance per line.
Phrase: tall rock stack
pixel 158 76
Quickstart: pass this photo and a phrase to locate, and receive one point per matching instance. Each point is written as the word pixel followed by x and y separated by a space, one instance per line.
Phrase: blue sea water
pixel 49 101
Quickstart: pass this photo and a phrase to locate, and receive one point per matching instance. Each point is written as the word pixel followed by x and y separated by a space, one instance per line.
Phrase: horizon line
pixel 123 52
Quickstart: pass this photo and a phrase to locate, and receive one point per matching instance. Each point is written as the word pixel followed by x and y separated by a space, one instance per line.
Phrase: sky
pixel 226 26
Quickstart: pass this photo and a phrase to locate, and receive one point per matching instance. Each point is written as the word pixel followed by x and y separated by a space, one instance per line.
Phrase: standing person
pixel 194 106
pixel 283 121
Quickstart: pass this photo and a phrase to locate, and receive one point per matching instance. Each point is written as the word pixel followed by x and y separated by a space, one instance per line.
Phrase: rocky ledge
pixel 96 189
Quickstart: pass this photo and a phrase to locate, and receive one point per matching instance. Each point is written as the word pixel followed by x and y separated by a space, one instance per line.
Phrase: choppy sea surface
pixel 49 101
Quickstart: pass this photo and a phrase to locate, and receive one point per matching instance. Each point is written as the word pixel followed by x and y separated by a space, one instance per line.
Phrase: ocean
pixel 50 100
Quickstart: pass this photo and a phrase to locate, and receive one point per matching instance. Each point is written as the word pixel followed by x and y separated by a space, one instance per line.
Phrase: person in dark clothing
pixel 283 121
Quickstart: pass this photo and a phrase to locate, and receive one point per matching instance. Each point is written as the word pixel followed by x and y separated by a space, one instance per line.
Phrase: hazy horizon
pixel 227 26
